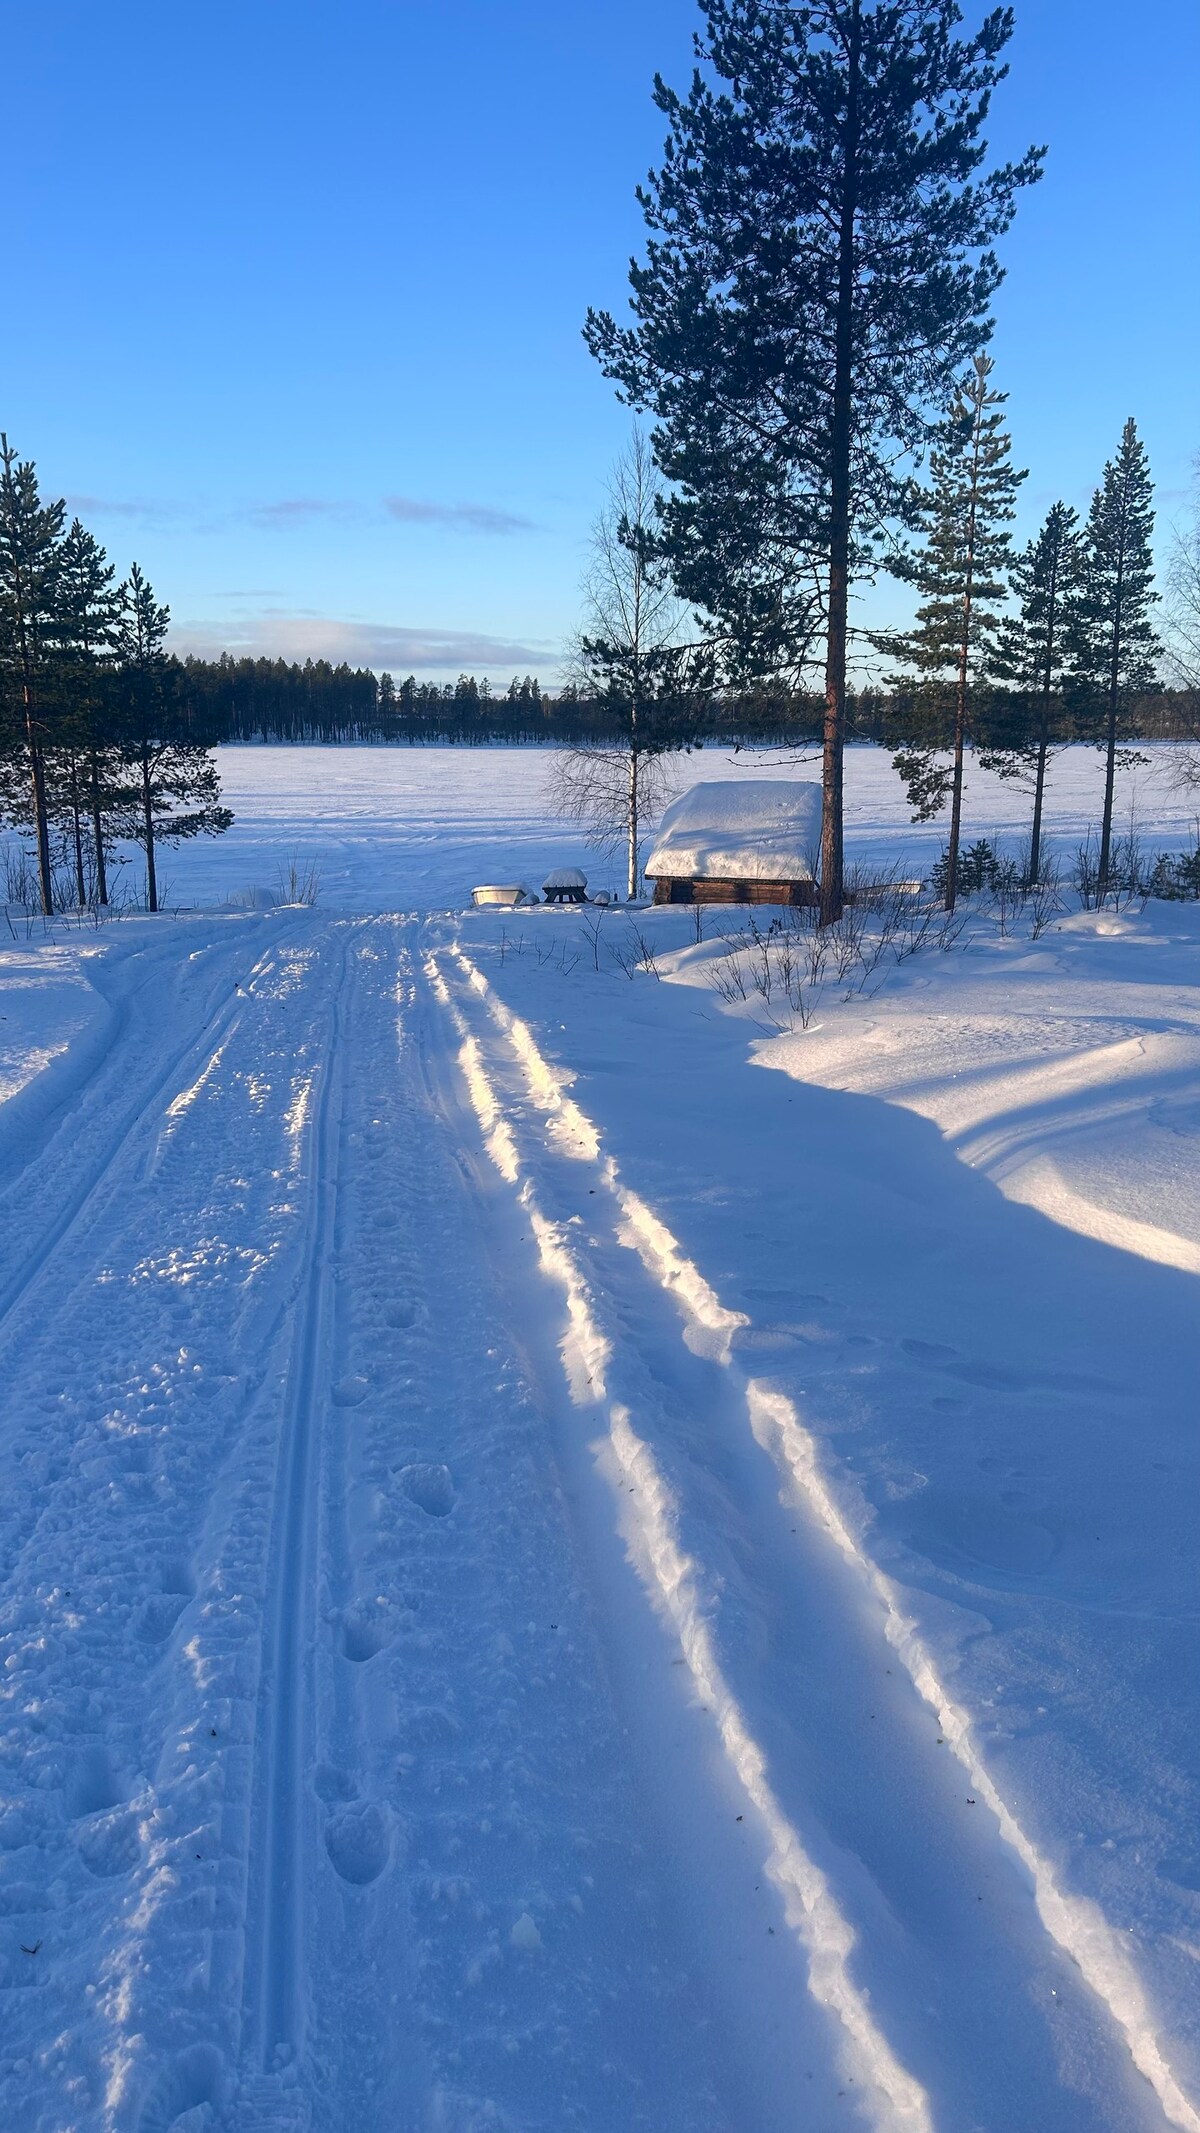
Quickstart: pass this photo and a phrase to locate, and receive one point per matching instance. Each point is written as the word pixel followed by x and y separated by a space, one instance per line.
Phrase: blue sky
pixel 295 291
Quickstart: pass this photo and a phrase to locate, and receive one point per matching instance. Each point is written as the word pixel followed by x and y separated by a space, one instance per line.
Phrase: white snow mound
pixel 740 829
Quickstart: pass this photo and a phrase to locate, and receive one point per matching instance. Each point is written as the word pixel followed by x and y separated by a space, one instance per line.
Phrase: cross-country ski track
pixel 441 1691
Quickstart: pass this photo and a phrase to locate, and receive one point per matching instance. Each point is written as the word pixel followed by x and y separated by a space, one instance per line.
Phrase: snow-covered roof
pixel 565 878
pixel 740 829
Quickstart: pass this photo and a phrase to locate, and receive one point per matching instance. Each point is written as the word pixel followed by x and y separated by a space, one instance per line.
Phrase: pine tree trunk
pixel 1110 779
pixel 1039 793
pixel 37 771
pixel 1039 781
pixel 77 831
pixel 148 824
pixel 37 783
pixel 1110 767
pixel 97 829
pixel 960 734
pixel 832 767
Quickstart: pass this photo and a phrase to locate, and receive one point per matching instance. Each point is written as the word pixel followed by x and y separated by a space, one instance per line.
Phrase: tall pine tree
pixel 1034 654
pixel 172 790
pixel 962 575
pixel 30 554
pixel 1116 648
pixel 819 266
pixel 87 606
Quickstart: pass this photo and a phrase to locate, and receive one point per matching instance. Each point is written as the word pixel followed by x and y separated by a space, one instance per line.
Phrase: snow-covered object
pixel 565 878
pixel 254 897
pixel 505 893
pixel 740 829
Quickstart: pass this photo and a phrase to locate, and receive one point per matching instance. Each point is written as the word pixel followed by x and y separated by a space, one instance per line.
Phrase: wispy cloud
pixel 275 635
pixel 478 518
pixel 277 514
pixel 151 510
pixel 297 511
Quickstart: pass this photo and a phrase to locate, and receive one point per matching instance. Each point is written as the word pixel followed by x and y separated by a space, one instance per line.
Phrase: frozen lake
pixel 416 828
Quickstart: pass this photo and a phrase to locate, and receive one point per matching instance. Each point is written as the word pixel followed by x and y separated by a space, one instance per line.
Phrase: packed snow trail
pixel 319 1805
pixel 401 1730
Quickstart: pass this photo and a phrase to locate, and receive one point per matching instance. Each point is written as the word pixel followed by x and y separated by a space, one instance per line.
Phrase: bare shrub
pixel 592 924
pixel 298 879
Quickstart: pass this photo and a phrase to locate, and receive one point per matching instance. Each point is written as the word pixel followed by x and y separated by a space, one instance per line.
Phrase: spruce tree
pixel 30 553
pixel 962 575
pixel 1033 654
pixel 820 264
pixel 171 790
pixel 1116 648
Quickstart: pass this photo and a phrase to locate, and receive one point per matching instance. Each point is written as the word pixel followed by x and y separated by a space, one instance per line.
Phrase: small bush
pixel 1176 876
pixel 981 869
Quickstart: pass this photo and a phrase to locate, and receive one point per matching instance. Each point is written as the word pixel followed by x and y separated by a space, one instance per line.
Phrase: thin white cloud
pixel 280 513
pixel 297 511
pixel 477 518
pixel 151 510
pixel 401 649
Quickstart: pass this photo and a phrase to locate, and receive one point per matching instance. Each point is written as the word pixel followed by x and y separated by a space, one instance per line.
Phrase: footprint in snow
pixel 429 1726
pixel 94 1784
pixel 351 1391
pixel 157 1616
pixel 358 1841
pixel 367 1626
pixel 108 1842
pixel 333 1785
pixel 187 2095
pixel 430 1488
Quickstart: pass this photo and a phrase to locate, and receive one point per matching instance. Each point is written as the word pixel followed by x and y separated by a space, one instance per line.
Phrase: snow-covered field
pixel 580 1550
pixel 415 828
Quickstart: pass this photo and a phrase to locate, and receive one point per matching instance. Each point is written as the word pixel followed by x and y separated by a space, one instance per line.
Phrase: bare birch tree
pixel 632 656
pixel 1183 632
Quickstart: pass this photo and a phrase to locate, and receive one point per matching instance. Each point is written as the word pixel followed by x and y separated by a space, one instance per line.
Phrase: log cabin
pixel 739 841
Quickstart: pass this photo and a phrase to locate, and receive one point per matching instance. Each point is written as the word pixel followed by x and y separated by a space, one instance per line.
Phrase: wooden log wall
pixel 679 889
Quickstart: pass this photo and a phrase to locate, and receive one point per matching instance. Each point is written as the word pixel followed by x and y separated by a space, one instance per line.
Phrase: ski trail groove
pixel 278 1967
pixel 1074 1923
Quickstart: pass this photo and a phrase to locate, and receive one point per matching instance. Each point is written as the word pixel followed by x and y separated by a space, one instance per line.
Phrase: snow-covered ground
pixel 585 1551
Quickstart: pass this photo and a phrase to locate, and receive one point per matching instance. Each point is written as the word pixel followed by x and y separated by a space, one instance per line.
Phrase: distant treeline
pixel 270 700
